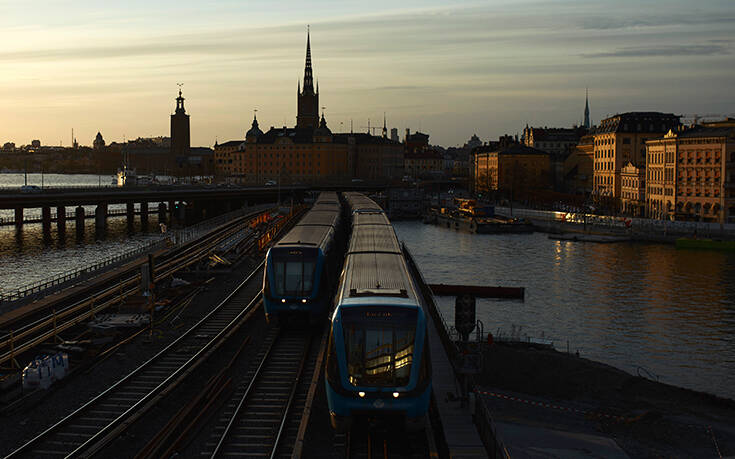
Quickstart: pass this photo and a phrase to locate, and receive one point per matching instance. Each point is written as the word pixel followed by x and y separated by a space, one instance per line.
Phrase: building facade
pixel 579 167
pixel 423 163
pixel 621 139
pixel 693 174
pixel 633 190
pixel 512 170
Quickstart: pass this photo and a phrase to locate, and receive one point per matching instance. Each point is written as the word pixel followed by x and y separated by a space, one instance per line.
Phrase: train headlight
pixel 395 394
pixel 283 300
pixel 303 300
pixel 361 394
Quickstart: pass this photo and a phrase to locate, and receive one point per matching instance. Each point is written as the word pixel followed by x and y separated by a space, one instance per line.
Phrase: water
pixel 671 312
pixel 29 256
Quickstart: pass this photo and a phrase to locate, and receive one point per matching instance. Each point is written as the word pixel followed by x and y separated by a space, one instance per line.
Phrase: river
pixel 639 307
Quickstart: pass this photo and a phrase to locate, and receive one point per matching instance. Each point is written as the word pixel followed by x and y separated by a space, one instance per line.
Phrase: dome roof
pixel 322 130
pixel 254 130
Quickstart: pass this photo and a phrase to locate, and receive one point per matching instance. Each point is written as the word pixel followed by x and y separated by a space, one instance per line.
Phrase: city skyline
pixel 451 71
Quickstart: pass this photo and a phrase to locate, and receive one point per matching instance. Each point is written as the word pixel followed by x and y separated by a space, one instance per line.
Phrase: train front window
pixel 379 345
pixel 294 277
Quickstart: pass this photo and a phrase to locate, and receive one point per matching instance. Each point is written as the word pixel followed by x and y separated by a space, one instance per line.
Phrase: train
pixel 378 365
pixel 302 269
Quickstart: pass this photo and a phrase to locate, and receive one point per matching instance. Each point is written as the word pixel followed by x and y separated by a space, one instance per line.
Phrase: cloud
pixel 664 50
pixel 619 22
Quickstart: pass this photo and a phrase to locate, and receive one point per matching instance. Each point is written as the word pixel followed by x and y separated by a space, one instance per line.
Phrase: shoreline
pixel 533 386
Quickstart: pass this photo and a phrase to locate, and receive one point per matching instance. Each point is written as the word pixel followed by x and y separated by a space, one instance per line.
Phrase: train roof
pixel 374 239
pixel 360 202
pixel 328 197
pixel 383 275
pixel 370 218
pixel 308 235
pixel 324 217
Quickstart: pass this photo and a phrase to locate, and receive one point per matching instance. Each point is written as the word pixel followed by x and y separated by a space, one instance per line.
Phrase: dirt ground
pixel 566 392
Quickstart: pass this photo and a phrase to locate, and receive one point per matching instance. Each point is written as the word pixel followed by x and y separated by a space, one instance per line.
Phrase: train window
pixel 379 345
pixel 294 276
pixel 332 364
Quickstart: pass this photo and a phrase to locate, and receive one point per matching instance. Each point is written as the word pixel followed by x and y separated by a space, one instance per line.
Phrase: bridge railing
pixel 481 413
pixel 45 287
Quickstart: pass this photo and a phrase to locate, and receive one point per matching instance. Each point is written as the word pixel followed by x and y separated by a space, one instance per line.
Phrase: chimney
pixel 408 133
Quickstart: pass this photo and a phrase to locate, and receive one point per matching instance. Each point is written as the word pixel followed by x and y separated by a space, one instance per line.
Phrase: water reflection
pixel 649 305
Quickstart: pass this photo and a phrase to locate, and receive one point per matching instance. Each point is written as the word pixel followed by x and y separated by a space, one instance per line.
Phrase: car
pixel 30 189
pixel 271 183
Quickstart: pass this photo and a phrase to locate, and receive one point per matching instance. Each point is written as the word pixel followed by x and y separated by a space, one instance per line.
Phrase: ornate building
pixel 621 139
pixel 691 174
pixel 309 152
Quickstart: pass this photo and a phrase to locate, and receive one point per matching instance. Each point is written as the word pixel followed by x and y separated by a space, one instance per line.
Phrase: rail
pixel 187 349
pixel 45 287
pixel 284 361
pixel 29 335
pixel 39 289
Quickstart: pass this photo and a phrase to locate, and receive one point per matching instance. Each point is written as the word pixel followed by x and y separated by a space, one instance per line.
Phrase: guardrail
pixel 481 413
pixel 41 288
pixel 45 287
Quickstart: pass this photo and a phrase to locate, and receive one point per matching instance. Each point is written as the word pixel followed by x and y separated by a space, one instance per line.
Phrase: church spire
pixel 385 128
pixel 587 109
pixel 308 77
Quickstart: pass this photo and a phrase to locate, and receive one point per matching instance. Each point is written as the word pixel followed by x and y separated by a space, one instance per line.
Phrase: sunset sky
pixel 450 69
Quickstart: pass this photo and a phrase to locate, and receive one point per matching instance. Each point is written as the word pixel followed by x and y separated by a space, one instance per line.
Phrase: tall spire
pixel 308 77
pixel 587 109
pixel 385 128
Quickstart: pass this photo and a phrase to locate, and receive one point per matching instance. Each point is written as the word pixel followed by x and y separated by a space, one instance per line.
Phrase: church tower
pixel 180 141
pixel 587 109
pixel 308 99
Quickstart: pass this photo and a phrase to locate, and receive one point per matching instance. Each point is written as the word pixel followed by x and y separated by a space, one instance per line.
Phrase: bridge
pixel 175 204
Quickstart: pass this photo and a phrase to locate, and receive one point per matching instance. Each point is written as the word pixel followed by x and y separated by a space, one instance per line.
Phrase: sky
pixel 448 68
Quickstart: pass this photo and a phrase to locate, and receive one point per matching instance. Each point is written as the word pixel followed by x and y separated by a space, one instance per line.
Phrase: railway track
pixel 262 418
pixel 364 442
pixel 88 429
pixel 25 336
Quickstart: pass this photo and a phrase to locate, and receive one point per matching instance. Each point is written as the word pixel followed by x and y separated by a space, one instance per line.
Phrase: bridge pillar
pixel 130 214
pixel 182 213
pixel 100 216
pixel 162 213
pixel 172 212
pixel 79 220
pixel 18 217
pixel 46 219
pixel 61 220
pixel 144 214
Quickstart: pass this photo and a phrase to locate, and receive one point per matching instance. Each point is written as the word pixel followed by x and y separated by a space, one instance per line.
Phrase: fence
pixel 481 413
pixel 42 288
pixel 45 287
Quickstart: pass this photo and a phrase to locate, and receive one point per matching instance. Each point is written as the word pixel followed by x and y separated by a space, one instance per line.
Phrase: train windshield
pixel 379 345
pixel 293 273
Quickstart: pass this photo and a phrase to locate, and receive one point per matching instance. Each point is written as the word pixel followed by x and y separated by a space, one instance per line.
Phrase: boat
pixel 707 244
pixel 468 216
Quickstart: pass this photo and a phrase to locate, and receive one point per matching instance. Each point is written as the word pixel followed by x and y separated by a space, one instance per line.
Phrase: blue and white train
pixel 378 364
pixel 302 268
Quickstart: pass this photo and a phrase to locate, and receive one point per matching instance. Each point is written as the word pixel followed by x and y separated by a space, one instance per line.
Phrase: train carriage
pixel 377 363
pixel 301 269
